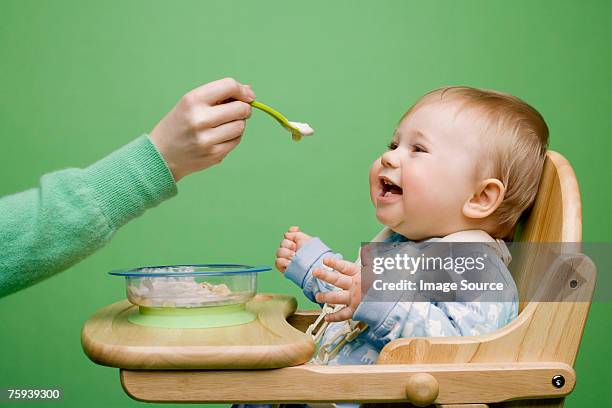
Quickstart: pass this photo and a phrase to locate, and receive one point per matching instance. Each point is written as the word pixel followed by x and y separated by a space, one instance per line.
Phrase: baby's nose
pixel 388 159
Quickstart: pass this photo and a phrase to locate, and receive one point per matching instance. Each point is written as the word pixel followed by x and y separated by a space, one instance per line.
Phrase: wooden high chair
pixel 524 364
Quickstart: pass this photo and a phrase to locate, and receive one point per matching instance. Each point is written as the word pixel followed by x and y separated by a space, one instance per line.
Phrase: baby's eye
pixel 419 149
pixel 392 145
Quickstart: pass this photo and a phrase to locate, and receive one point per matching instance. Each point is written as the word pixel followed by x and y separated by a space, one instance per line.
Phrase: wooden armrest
pixel 420 384
pixel 301 319
pixel 543 330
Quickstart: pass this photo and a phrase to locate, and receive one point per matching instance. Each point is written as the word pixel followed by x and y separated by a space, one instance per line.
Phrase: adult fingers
pixel 214 116
pixel 218 91
pixel 222 133
pixel 224 148
pixel 335 297
pixel 333 277
pixel 286 243
pixel 342 266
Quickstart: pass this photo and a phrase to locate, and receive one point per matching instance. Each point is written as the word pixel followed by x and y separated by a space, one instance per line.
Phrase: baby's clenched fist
pixel 293 240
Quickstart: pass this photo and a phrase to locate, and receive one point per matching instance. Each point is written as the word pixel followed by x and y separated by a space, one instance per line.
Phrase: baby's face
pixel 419 185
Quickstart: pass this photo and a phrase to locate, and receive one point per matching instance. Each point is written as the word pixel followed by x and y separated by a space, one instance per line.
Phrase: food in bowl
pixel 190 286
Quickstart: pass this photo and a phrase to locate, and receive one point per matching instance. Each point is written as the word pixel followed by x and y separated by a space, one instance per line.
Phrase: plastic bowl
pixel 190 286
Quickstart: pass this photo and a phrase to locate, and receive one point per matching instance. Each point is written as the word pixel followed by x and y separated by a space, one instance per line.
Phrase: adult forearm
pixel 74 212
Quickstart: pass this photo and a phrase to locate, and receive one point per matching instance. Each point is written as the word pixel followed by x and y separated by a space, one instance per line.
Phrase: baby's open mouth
pixel 389 188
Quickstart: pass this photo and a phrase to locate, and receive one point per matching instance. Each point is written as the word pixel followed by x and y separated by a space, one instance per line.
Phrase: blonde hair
pixel 517 137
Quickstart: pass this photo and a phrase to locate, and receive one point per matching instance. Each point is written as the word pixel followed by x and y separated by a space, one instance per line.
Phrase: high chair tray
pixel 108 338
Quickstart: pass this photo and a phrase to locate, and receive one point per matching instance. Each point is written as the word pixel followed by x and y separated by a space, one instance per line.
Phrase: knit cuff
pixel 130 180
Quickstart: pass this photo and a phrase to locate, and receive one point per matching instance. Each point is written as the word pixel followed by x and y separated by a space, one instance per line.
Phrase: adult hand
pixel 204 126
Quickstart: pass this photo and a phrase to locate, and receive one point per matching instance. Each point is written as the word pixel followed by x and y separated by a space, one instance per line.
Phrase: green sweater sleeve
pixel 74 212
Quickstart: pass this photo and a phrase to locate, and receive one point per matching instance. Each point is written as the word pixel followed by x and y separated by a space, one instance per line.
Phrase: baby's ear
pixel 485 200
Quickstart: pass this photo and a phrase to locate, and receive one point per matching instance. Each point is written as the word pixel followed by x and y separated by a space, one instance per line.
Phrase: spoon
pixel 297 129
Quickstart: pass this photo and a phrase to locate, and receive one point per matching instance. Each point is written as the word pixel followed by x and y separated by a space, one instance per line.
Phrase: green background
pixel 79 79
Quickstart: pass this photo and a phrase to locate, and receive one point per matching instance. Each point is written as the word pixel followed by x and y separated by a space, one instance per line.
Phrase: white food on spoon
pixel 304 128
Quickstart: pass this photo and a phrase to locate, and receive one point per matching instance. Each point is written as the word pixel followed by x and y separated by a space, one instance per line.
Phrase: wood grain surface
pixel 457 383
pixel 108 338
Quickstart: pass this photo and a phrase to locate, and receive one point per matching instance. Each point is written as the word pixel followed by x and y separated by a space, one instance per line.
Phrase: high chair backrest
pixel 555 217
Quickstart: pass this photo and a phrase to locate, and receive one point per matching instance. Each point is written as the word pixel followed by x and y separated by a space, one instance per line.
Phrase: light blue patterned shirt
pixel 388 321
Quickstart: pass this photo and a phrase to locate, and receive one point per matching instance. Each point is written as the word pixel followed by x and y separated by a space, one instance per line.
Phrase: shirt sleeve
pixel 306 259
pixel 74 212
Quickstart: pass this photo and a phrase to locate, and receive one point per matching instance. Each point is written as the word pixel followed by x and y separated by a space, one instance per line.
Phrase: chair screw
pixel 558 381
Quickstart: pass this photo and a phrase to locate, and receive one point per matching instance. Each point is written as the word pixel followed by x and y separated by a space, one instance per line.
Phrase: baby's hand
pixel 347 276
pixel 293 241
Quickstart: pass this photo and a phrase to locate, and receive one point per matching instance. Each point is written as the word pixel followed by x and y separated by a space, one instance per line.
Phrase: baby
pixel 463 165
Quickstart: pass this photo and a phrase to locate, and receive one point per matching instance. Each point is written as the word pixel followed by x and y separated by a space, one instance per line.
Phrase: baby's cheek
pixel 414 184
pixel 418 192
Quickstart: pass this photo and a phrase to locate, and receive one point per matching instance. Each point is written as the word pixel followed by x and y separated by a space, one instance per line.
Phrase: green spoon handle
pixel 284 122
pixel 272 112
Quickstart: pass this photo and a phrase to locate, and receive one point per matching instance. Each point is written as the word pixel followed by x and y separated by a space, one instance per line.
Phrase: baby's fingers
pixel 336 297
pixel 294 235
pixel 342 266
pixel 282 264
pixel 285 253
pixel 286 243
pixel 333 277
pixel 341 315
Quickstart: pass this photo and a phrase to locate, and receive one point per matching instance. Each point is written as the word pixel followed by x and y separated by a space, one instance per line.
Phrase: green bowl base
pixel 192 318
